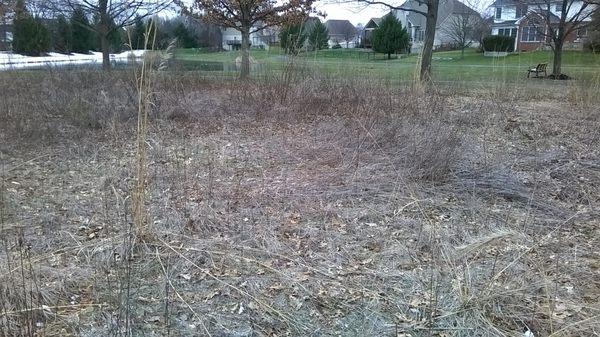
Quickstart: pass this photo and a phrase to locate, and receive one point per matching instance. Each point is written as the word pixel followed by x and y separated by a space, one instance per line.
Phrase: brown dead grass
pixel 350 209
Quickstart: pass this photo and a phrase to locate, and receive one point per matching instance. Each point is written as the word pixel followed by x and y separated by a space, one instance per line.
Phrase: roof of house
pixel 497 3
pixel 339 27
pixel 309 23
pixel 445 9
pixel 417 19
pixel 504 23
pixel 373 23
pixel 461 8
pixel 541 13
pixel 503 3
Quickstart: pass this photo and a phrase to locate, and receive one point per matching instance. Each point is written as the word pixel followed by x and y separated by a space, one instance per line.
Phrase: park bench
pixel 540 68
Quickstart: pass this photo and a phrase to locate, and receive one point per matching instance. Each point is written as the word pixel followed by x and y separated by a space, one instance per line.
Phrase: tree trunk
pixel 389 56
pixel 245 53
pixel 427 52
pixel 557 61
pixel 104 30
pixel 462 52
pixel 105 46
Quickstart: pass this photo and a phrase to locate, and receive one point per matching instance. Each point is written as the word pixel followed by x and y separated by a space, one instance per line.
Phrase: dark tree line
pixel 76 32
pixel 312 35
pixel 188 33
pixel 30 35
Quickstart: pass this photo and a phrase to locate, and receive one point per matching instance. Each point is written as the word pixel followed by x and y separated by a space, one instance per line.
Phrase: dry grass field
pixel 305 206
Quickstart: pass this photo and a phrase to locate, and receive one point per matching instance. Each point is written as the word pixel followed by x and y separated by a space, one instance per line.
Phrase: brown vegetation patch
pixel 335 209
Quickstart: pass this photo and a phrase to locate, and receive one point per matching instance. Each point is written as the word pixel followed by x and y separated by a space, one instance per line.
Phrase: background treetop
pixel 258 14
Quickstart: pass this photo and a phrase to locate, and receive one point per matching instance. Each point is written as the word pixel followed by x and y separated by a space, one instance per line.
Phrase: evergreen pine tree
pixel 117 37
pixel 318 36
pixel 390 37
pixel 184 37
pixel 292 38
pixel 157 38
pixel 62 35
pixel 136 34
pixel 30 35
pixel 82 40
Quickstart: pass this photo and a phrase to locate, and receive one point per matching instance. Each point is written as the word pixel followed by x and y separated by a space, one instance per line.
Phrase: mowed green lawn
pixel 447 66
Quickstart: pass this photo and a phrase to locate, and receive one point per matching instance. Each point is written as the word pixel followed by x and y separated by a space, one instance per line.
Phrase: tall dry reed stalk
pixel 145 82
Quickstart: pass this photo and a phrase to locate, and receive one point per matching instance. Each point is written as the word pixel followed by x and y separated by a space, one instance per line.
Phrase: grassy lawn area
pixel 447 66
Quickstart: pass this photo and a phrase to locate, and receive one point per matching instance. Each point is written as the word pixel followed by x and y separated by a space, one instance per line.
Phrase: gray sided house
pixel 341 32
pixel 367 38
pixel 449 13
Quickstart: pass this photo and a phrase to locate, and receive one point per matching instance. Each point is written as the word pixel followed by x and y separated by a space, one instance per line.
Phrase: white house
pixel 232 38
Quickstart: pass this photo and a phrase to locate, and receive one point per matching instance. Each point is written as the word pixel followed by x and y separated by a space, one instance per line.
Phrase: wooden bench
pixel 540 68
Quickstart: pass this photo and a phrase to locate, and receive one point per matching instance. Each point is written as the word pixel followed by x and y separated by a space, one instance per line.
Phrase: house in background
pixel 367 38
pixel 263 39
pixel 342 33
pixel 449 12
pixel 6 37
pixel 524 20
pixel 6 26
pixel 309 23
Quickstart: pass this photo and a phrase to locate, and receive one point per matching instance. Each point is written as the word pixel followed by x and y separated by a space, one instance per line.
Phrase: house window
pixel 582 32
pixel 530 34
pixel 419 33
pixel 498 13
pixel 507 32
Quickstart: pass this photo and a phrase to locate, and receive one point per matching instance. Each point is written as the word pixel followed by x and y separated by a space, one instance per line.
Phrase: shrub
pixel 318 36
pixel 292 38
pixel 336 46
pixel 498 43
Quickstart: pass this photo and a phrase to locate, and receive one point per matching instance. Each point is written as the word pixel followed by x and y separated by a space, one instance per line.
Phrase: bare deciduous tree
pixel 461 28
pixel 6 15
pixel 249 16
pixel 111 15
pixel 556 28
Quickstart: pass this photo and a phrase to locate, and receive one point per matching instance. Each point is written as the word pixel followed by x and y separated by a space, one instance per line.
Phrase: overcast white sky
pixel 351 11
pixel 356 13
pixel 343 9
